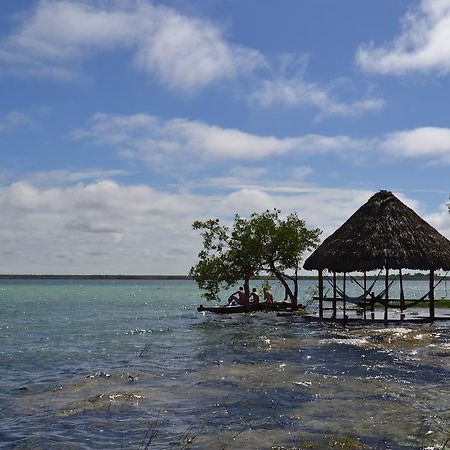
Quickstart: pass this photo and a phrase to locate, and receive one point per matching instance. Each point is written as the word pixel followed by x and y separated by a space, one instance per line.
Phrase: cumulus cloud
pixel 432 143
pixel 298 92
pixel 167 144
pixel 287 85
pixel 101 227
pixel 440 220
pixel 422 46
pixel 108 227
pixel 157 141
pixel 184 53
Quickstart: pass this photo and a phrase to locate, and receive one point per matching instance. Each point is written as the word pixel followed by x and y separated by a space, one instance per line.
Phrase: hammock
pixel 378 298
pixel 421 299
pixel 361 299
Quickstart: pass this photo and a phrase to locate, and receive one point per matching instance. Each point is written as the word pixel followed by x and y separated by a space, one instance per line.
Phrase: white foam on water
pixel 303 383
pixel 357 342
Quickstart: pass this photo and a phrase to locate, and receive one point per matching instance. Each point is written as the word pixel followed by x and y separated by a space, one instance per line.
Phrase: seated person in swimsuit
pixel 237 298
pixel 254 297
pixel 268 297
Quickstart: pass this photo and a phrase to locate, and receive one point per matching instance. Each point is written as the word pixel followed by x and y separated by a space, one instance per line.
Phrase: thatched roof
pixel 384 232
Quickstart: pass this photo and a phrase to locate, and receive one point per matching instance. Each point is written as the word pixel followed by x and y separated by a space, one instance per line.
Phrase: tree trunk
pixel 292 297
pixel 246 291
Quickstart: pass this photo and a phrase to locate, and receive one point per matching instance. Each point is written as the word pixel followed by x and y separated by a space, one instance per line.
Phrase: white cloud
pixel 298 92
pixel 426 142
pixel 440 220
pixel 106 227
pixel 246 201
pixel 100 227
pixel 160 142
pixel 422 46
pixel 15 119
pixel 67 176
pixel 168 145
pixel 185 53
pixel 326 208
pixel 192 53
pixel 287 85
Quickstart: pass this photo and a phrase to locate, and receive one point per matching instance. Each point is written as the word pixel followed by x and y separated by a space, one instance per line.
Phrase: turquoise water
pixel 131 364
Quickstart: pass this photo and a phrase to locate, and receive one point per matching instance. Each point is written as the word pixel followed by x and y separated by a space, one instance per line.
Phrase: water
pixel 131 364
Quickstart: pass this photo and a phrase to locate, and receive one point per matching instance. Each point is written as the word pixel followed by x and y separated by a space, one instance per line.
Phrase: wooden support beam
pixel 365 290
pixel 386 287
pixel 372 309
pixel 344 299
pixel 431 295
pixel 334 295
pixel 321 294
pixel 402 296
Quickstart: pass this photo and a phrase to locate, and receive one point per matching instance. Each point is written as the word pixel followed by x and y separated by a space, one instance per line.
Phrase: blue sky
pixel 121 122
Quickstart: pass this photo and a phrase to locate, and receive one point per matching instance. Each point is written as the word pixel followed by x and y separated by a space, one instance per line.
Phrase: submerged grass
pixel 333 440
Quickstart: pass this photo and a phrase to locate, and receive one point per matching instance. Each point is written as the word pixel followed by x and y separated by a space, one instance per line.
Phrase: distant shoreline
pixel 418 276
pixel 92 277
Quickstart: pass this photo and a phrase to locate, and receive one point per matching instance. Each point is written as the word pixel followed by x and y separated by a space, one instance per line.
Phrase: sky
pixel 122 122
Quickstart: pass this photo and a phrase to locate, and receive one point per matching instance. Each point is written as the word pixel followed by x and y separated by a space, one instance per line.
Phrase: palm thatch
pixel 383 233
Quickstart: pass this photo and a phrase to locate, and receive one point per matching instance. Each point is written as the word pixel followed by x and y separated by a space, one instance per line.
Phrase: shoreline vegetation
pixel 414 277
pixel 91 277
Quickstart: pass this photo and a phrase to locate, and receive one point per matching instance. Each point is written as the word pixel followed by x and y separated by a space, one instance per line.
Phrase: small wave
pixel 99 375
pixel 357 342
pixel 139 331
pixel 303 383
pixel 126 396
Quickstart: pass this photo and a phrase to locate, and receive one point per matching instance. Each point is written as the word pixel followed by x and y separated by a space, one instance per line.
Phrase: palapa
pixel 383 233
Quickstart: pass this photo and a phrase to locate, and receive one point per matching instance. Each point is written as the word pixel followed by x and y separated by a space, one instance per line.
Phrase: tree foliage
pixel 263 243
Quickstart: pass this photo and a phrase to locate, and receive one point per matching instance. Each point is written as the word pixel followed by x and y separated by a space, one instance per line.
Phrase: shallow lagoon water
pixel 131 364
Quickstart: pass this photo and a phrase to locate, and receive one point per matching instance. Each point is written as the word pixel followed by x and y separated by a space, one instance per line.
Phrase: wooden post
pixel 321 294
pixel 431 295
pixel 345 303
pixel 365 291
pixel 334 295
pixel 372 307
pixel 402 297
pixel 386 299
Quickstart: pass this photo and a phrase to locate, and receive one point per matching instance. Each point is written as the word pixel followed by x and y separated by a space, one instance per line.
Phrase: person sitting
pixel 268 297
pixel 237 298
pixel 254 297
